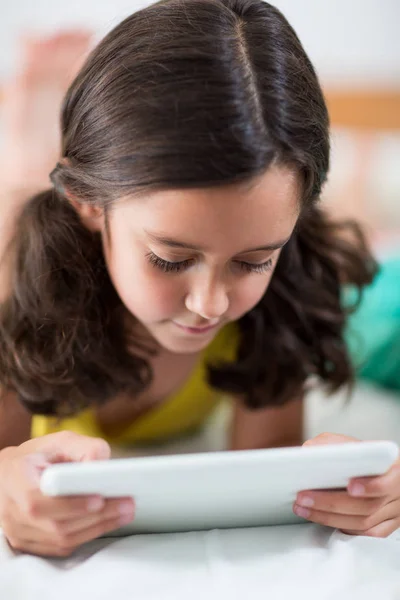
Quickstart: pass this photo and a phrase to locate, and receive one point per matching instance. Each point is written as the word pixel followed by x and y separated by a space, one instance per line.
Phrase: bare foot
pixel 30 108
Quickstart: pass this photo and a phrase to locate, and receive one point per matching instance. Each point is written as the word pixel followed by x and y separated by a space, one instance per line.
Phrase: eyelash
pixel 177 267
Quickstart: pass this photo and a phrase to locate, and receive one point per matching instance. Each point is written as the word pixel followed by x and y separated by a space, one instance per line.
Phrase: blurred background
pixel 355 47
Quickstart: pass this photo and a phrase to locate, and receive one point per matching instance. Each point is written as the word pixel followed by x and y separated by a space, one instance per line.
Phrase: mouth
pixel 196 330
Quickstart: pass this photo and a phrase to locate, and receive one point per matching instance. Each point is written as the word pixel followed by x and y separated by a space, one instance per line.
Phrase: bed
pixel 296 561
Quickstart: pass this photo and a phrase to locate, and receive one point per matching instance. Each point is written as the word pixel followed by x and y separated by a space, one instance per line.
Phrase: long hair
pixel 182 94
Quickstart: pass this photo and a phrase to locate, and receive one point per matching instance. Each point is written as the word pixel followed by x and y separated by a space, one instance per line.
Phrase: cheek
pixel 150 296
pixel 251 291
pixel 248 294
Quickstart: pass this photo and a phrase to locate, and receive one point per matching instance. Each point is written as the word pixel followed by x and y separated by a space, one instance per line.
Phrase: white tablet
pixel 221 489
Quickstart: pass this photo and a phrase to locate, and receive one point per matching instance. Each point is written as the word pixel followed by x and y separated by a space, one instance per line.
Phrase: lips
pixel 195 330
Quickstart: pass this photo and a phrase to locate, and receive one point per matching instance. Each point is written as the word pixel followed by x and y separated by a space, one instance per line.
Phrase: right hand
pixel 54 526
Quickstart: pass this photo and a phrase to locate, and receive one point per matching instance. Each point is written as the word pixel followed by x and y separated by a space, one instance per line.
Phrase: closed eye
pixel 167 266
pixel 255 268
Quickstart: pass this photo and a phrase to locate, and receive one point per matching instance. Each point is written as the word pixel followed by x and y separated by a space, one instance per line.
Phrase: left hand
pixel 370 506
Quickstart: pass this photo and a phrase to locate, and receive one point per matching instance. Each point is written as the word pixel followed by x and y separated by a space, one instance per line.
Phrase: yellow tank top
pixel 185 411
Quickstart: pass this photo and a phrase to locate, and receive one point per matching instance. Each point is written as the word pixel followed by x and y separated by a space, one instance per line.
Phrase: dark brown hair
pixel 182 94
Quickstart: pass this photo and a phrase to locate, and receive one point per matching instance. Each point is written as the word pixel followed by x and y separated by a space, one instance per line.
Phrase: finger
pixel 29 543
pixel 113 510
pixel 21 535
pixel 37 506
pixel 338 502
pixel 334 520
pixel 382 530
pixel 330 438
pixel 28 497
pixel 59 447
pixel 383 485
pixel 35 548
pixel 67 446
pixel 93 532
pixel 359 523
pixel 52 538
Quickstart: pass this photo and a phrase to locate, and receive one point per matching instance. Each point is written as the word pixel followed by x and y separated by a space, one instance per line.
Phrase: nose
pixel 209 300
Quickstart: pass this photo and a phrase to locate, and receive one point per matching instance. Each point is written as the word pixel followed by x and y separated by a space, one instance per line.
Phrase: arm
pixel 15 421
pixel 268 427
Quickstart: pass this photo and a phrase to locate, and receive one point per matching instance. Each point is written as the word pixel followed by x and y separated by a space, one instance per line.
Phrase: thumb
pixel 67 446
pixel 22 471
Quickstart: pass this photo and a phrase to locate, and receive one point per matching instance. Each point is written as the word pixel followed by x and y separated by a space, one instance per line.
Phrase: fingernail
pixel 124 519
pixel 126 508
pixel 357 489
pixel 301 512
pixel 305 501
pixel 95 504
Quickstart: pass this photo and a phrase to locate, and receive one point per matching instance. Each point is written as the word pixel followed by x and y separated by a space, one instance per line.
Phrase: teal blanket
pixel 373 331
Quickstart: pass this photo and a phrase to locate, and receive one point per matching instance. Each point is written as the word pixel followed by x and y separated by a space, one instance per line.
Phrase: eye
pixel 255 268
pixel 166 266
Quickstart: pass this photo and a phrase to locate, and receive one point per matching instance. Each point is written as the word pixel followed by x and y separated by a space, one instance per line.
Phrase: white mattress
pixel 297 561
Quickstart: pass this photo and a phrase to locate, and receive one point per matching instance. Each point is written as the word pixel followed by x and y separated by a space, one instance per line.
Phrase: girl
pixel 180 256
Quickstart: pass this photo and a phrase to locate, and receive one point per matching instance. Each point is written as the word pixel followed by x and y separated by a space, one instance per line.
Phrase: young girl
pixel 180 256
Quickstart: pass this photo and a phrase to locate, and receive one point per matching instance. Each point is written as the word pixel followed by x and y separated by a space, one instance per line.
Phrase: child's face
pixel 187 262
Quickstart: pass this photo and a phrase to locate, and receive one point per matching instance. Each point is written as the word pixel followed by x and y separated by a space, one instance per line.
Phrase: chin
pixel 183 345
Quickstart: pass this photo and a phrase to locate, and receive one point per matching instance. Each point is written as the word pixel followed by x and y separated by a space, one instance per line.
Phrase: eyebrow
pixel 171 243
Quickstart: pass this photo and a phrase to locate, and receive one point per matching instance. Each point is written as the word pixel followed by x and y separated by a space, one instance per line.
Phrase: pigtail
pixel 297 329
pixel 62 344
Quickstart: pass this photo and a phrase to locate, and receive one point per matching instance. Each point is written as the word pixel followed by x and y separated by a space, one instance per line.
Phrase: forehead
pixel 262 211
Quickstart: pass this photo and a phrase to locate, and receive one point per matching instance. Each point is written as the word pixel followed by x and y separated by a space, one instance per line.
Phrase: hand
pixel 370 506
pixel 54 526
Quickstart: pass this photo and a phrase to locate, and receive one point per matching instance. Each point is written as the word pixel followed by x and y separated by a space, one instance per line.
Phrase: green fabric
pixel 373 331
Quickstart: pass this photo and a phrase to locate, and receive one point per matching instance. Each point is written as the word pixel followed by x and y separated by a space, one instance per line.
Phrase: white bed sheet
pixel 297 561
